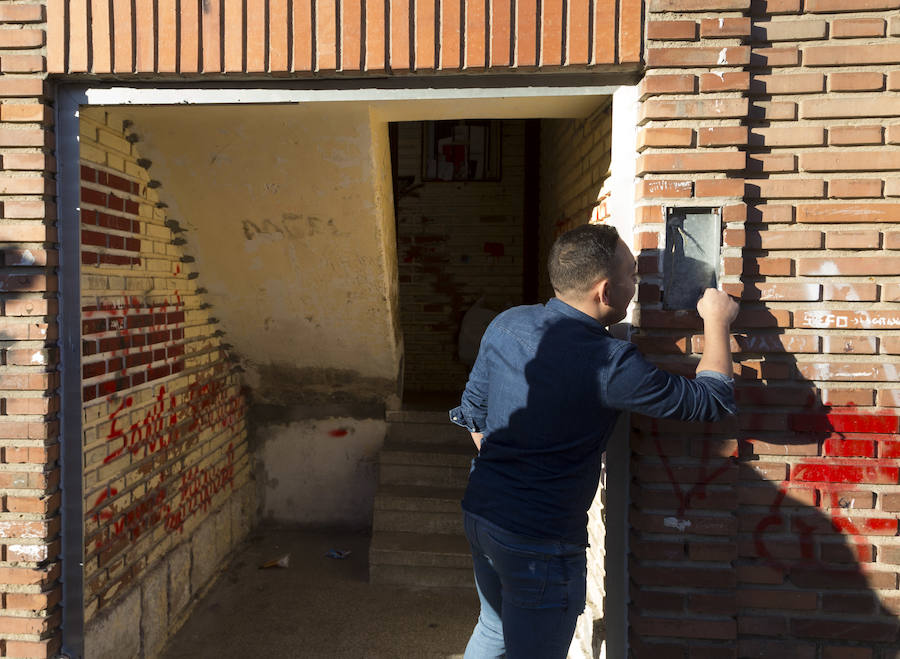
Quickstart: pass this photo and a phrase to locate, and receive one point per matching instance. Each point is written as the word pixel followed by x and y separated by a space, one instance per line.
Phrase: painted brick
pixel 845 28
pixel 698 56
pixel 653 188
pixel 718 28
pixel 892 239
pixel 848 265
pixel 724 81
pixel 727 108
pixel 861 345
pixel 838 319
pixel 854 188
pixel 691 162
pixel 842 371
pixel 855 135
pixel 782 292
pixel 855 81
pixel 852 397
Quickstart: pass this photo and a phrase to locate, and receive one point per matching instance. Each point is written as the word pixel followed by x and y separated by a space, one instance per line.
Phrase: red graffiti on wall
pixel 828 478
pixel 208 405
pixel 706 476
pixel 197 489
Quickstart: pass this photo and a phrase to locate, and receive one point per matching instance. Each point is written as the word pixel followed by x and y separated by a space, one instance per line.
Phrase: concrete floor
pixel 320 607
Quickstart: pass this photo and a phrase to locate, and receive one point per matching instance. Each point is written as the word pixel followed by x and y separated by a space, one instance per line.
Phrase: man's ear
pixel 602 288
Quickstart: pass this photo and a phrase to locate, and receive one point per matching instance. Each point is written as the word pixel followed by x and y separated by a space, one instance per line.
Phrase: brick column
pixel 756 536
pixel 29 473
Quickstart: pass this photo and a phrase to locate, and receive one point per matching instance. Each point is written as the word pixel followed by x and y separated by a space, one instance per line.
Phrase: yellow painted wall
pixel 167 471
pixel 288 214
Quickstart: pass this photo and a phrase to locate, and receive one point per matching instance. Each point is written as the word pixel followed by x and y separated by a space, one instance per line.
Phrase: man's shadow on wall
pixel 783 507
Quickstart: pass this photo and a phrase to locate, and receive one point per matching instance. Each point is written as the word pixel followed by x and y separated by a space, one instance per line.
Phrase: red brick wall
pixel 456 242
pixel 756 536
pixel 305 36
pixel 29 468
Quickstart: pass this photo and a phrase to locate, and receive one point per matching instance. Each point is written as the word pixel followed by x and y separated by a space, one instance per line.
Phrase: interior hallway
pixel 320 607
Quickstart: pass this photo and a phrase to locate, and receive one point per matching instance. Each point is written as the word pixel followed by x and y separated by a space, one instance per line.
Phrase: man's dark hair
pixel 581 257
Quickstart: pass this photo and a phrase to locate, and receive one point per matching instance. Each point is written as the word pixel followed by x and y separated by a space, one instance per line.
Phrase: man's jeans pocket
pixel 535 573
pixel 524 572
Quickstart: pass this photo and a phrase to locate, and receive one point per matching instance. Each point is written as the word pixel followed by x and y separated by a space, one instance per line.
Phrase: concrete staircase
pixel 417 533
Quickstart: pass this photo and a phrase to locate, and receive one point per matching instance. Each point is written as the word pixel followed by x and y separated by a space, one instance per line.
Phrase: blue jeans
pixel 531 591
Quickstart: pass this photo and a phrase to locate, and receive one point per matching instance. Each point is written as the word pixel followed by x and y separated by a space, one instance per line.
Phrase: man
pixel 541 401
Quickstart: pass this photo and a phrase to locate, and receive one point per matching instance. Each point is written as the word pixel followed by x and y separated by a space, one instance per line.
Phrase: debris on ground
pixel 338 553
pixel 281 561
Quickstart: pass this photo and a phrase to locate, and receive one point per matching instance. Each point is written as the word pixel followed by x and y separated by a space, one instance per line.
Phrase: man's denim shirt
pixel 546 390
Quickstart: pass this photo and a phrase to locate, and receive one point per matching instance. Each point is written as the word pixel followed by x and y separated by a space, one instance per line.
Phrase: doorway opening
pixel 308 279
pixel 477 205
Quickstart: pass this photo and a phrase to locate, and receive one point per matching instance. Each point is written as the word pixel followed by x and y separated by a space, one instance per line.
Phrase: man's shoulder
pixel 523 313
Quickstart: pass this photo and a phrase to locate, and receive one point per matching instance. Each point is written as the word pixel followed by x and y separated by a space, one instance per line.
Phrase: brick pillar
pixel 755 536
pixel 29 471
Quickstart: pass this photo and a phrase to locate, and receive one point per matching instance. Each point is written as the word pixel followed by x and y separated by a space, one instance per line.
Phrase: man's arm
pixel 472 411
pixel 634 384
pixel 718 311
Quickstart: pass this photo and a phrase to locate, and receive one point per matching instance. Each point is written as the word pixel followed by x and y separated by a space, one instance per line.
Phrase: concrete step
pixel 439 433
pixel 417 534
pixel 436 465
pixel 418 453
pixel 416 559
pixel 409 521
pixel 421 549
pixel 418 498
pixel 421 577
pixel 438 475
pixel 418 416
